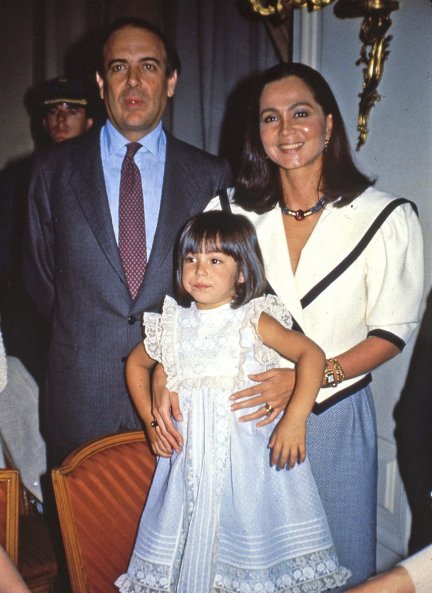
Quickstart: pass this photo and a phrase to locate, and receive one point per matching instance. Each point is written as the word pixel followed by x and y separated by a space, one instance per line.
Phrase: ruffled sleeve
pixel 152 332
pixel 273 306
pixel 160 338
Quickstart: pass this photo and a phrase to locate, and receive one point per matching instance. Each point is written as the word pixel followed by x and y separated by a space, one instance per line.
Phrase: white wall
pixel 398 152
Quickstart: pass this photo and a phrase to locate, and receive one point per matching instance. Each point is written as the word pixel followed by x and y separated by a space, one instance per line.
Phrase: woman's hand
pixel 165 408
pixel 273 391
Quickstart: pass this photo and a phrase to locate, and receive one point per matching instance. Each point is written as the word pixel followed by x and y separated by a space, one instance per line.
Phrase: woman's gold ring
pixel 154 424
pixel 268 409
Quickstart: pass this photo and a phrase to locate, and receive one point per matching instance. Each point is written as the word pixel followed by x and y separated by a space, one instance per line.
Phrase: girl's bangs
pixel 205 243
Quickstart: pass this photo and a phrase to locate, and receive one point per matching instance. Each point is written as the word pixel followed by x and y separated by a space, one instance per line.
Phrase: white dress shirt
pixel 150 160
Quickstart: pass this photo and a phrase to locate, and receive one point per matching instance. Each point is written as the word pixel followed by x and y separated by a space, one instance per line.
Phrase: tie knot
pixel 131 149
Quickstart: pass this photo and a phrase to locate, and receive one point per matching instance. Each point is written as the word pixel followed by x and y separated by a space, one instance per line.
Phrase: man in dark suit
pixel 60 109
pixel 73 267
pixel 413 433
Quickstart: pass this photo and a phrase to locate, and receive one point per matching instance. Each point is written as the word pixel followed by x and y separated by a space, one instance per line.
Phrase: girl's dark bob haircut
pixel 233 235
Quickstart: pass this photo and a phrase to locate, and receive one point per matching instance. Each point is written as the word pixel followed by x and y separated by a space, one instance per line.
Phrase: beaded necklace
pixel 301 214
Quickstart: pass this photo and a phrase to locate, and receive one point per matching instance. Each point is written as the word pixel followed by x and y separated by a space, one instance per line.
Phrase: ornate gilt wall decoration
pixel 376 22
pixel 375 48
pixel 283 7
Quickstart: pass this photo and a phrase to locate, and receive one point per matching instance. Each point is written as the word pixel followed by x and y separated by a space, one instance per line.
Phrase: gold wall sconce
pixel 283 7
pixel 375 48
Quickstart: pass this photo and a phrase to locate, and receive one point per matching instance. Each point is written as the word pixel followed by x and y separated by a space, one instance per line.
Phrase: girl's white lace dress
pixel 218 517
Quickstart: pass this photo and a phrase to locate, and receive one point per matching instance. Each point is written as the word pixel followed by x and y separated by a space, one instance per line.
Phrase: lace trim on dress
pixel 152 330
pixel 273 306
pixel 160 339
pixel 315 572
pixel 144 577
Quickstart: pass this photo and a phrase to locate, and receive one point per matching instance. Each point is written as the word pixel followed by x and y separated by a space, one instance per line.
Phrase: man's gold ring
pixel 154 424
pixel 268 409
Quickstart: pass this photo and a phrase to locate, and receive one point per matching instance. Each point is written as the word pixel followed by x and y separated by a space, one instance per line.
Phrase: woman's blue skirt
pixel 342 450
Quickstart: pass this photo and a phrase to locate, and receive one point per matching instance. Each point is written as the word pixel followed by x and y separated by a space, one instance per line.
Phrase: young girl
pixel 214 521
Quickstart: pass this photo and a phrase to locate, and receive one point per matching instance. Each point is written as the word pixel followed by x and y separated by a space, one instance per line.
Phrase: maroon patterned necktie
pixel 132 238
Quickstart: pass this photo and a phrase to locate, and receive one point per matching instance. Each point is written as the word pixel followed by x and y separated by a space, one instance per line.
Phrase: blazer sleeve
pixel 38 252
pixel 394 277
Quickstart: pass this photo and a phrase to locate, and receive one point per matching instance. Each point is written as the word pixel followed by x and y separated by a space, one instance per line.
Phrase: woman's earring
pixel 326 143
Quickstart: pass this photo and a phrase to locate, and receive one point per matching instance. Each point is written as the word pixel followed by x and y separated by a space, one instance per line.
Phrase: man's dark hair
pixel 232 234
pixel 258 183
pixel 173 59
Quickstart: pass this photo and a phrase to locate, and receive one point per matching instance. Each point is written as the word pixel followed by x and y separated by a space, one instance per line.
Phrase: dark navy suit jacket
pixel 74 273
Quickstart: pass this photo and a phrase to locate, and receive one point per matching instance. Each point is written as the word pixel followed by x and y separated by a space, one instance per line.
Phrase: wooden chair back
pixel 25 537
pixel 9 512
pixel 100 492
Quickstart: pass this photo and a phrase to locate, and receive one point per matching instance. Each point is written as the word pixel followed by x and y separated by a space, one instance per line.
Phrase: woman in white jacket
pixel 347 261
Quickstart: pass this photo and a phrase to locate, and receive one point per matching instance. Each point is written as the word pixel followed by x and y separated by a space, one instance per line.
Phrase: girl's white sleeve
pixel 153 333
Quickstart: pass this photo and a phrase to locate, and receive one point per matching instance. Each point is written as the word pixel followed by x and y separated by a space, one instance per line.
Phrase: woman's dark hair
pixel 172 58
pixel 232 234
pixel 258 182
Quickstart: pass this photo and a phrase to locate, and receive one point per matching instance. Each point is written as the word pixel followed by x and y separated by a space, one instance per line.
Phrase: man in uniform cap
pixel 65 109
pixel 61 108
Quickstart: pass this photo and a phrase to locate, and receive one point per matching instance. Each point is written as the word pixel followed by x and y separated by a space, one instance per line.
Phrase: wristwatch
pixel 333 377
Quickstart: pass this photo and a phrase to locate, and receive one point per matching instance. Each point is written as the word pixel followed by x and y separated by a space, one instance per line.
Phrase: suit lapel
pixel 88 184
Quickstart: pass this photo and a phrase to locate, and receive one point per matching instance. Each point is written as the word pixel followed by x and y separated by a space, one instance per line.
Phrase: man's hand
pixel 165 408
pixel 156 444
pixel 273 391
pixel 397 580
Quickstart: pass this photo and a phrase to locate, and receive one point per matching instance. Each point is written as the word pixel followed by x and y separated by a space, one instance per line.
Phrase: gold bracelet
pixel 335 376
pixel 340 375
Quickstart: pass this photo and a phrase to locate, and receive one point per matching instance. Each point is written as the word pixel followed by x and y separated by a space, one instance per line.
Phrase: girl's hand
pixel 165 407
pixel 288 442
pixel 274 388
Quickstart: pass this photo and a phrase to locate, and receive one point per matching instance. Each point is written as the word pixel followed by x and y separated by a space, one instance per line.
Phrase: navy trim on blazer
pixel 389 336
pixel 319 408
pixel 355 253
pixel 224 200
